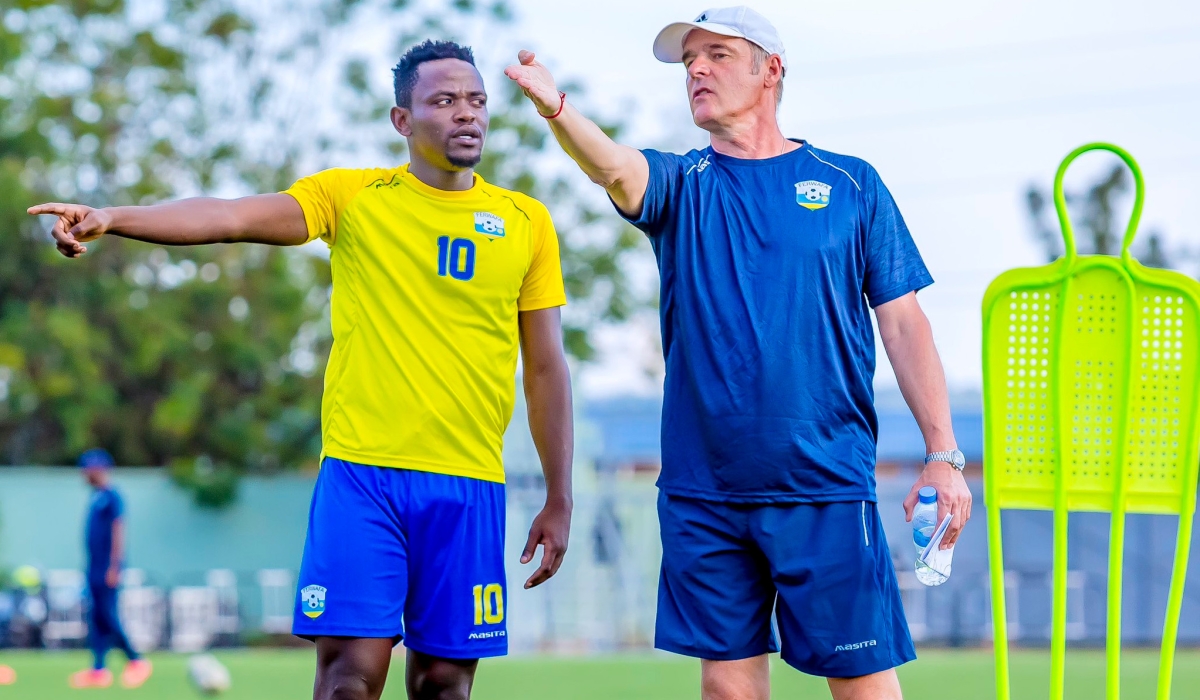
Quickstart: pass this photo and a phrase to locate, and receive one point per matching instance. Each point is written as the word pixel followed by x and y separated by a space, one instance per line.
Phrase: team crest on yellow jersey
pixel 489 224
pixel 812 195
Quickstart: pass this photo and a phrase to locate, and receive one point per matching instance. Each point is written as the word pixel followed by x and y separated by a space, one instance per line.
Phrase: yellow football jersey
pixel 427 284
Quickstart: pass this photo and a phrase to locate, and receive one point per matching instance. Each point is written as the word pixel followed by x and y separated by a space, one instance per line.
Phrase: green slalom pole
pixel 1116 542
pixel 1183 542
pixel 1058 623
pixel 1112 646
pixel 999 611
pixel 1058 627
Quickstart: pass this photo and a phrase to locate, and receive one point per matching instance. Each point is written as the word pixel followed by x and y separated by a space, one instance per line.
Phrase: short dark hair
pixel 404 75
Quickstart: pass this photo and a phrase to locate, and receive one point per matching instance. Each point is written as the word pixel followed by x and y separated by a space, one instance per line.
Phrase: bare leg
pixel 434 678
pixel 744 679
pixel 877 686
pixel 351 668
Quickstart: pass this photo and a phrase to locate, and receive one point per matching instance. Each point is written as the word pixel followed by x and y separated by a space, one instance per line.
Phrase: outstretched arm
pixel 908 340
pixel 275 219
pixel 548 395
pixel 622 171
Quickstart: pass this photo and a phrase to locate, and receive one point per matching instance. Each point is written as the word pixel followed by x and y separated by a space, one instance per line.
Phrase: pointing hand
pixel 77 224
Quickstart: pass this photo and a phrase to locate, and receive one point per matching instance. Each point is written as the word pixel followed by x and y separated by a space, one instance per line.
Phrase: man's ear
pixel 775 71
pixel 401 120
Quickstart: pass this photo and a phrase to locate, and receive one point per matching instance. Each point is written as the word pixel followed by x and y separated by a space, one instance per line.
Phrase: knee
pixel 350 677
pixel 877 686
pixel 351 669
pixel 438 679
pixel 715 687
pixel 745 679
pixel 342 684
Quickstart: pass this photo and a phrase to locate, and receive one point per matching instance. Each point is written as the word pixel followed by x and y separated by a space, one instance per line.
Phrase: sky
pixel 958 105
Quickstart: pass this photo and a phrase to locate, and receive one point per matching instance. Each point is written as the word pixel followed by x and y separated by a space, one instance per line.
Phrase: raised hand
pixel 77 224
pixel 536 82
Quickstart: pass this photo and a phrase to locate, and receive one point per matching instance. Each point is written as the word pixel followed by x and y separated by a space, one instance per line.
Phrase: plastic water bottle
pixel 924 523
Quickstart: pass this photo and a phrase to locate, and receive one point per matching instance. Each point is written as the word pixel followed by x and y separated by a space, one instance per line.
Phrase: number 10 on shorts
pixel 489 604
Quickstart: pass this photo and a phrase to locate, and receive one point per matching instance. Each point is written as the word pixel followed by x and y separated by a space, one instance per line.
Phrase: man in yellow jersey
pixel 438 278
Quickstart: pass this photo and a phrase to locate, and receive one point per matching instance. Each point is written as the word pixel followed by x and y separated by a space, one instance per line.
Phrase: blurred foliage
pixel 209 360
pixel 1098 230
pixel 202 354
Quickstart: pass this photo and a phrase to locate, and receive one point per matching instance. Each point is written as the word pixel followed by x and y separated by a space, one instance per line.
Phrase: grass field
pixel 937 675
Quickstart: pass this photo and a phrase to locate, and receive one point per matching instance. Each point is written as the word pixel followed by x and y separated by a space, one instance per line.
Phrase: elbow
pixel 547 374
pixel 606 179
pixel 899 332
pixel 550 369
pixel 901 323
pixel 613 174
pixel 890 331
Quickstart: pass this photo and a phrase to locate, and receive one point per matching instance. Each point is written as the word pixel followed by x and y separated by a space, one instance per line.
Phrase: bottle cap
pixel 927 494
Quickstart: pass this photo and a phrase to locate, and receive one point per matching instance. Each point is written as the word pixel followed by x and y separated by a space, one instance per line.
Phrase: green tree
pixel 1098 228
pixel 193 357
pixel 210 359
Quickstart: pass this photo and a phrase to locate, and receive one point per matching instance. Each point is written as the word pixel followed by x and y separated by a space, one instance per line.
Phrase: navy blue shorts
pixel 823 569
pixel 407 555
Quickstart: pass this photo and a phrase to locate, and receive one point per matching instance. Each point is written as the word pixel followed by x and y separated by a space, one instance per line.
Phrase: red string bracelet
pixel 562 103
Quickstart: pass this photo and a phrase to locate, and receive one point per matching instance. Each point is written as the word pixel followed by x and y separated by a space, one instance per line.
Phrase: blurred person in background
pixel 771 253
pixel 105 544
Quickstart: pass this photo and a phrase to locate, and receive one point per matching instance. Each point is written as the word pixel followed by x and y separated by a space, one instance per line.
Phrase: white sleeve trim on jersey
pixel 814 155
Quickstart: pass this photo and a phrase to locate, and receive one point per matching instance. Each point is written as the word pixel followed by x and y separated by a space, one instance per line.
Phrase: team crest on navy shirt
pixel 812 195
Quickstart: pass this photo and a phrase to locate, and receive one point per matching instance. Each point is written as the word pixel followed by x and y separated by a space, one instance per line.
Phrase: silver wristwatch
pixel 954 458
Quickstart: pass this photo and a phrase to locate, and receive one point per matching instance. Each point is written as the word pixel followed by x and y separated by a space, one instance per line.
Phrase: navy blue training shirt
pixel 767 269
pixel 103 510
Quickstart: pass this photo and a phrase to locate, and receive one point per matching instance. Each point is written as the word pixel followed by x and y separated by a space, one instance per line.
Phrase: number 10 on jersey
pixel 456 258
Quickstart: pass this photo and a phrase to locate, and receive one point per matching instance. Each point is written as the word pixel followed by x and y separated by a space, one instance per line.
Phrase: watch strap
pixel 947 456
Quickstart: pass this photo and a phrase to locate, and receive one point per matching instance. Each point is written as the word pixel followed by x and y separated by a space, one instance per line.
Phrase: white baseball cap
pixel 741 22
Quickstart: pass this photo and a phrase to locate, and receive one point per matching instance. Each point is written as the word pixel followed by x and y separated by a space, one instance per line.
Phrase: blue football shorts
pixel 823 569
pixel 405 554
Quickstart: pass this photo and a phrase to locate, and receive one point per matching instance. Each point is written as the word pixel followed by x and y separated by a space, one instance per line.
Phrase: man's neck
pixel 754 135
pixel 437 178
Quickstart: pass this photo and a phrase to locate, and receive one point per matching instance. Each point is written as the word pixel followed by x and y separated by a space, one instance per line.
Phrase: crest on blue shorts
pixel 812 195
pixel 312 600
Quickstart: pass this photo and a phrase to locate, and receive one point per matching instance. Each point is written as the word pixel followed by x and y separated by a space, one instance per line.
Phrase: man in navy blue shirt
pixel 771 254
pixel 105 541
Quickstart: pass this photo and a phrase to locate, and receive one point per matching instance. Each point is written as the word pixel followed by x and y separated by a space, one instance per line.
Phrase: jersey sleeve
pixel 116 506
pixel 661 192
pixel 893 264
pixel 542 287
pixel 324 197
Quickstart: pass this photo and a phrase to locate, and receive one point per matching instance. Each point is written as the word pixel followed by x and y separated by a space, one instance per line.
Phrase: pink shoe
pixel 91 678
pixel 136 673
pixel 7 675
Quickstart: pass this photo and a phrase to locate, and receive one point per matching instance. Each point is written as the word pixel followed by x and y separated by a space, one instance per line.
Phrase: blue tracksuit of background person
pixel 104 525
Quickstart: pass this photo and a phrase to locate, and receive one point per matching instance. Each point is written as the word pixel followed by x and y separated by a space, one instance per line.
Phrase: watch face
pixel 960 460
